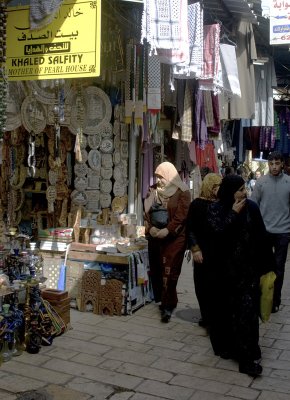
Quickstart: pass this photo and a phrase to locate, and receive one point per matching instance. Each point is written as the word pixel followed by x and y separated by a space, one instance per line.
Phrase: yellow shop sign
pixel 67 48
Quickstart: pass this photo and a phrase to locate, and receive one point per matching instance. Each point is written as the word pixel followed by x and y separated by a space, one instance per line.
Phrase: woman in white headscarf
pixel 167 242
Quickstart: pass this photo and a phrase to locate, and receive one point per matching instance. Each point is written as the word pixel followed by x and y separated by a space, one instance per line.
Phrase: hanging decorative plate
pixel 91 172
pixel 48 90
pixel 106 185
pixel 81 169
pixel 117 142
pixel 98 110
pixel 94 159
pixel 116 128
pixel 14 98
pixel 93 195
pixel 84 155
pixel 107 160
pixel 106 173
pixel 81 183
pixel 105 200
pixel 124 150
pixel 33 114
pixel 119 188
pixel 79 198
pixel 106 130
pixel 118 173
pixel 124 166
pixel 117 157
pixel 106 146
pixel 94 182
pixel 94 141
pixel 124 132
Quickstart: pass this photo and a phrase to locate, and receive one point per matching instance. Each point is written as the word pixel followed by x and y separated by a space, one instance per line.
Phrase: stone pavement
pixel 137 357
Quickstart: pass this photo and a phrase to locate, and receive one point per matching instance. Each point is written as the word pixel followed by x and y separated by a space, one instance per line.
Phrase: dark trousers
pixel 279 243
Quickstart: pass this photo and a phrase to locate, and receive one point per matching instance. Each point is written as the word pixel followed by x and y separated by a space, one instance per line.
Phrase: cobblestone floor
pixel 136 357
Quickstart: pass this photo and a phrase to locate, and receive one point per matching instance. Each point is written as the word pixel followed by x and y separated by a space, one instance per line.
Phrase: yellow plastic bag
pixel 267 292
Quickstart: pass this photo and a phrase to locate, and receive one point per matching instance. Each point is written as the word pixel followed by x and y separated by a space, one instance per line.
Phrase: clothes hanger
pixel 224 36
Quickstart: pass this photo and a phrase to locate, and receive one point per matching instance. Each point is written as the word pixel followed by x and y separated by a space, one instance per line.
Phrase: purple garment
pixel 215 129
pixel 200 122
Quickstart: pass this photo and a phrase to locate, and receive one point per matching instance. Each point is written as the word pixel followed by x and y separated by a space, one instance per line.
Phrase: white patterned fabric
pixel 193 69
pixel 154 83
pixel 42 12
pixel 164 29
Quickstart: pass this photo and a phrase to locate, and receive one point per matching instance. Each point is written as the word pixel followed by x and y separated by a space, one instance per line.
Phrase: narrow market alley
pixel 137 357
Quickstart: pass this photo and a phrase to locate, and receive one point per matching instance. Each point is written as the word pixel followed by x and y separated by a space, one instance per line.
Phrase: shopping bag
pixel 267 292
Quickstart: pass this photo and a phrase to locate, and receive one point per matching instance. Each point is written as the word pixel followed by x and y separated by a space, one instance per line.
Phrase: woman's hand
pixel 197 257
pixel 153 231
pixel 239 205
pixel 162 233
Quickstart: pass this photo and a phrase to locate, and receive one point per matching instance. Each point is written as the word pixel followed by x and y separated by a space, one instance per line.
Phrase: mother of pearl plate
pixel 94 159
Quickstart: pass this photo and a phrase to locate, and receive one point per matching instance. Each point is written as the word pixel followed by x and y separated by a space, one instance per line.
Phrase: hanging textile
pixel 230 75
pixel 186 121
pixel 200 123
pixel 164 26
pixel 154 84
pixel 244 106
pixel 265 79
pixel 206 157
pixel 42 12
pixel 211 58
pixel 195 35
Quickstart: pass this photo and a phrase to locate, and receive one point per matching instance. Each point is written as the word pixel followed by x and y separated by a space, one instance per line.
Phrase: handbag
pixel 267 291
pixel 158 216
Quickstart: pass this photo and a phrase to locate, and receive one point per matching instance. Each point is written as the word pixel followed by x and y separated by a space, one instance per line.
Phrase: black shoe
pixel 251 368
pixel 226 355
pixel 203 323
pixel 165 316
pixel 275 309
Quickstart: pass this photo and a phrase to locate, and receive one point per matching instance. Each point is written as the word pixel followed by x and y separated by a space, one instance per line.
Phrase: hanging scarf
pixel 164 29
pixel 42 12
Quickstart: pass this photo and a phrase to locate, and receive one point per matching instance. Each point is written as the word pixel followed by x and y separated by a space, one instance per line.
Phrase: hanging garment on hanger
pixel 211 58
pixel 230 75
pixel 265 80
pixel 192 69
pixel 164 26
pixel 244 106
pixel 42 12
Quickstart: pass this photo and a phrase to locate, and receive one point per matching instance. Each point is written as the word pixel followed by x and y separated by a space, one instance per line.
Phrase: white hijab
pixel 174 182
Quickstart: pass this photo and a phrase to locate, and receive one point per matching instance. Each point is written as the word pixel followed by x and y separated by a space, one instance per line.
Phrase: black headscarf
pixel 230 184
